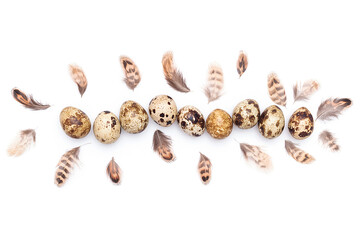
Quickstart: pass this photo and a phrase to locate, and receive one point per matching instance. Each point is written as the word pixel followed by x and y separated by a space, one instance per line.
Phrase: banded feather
pixel 65 166
pixel 204 168
pixel 276 90
pixel 215 83
pixel 256 154
pixel 162 145
pixel 328 140
pixel 242 63
pixel 113 171
pixel 131 72
pixel 297 153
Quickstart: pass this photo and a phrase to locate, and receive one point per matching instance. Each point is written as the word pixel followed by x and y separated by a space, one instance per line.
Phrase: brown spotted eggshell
pixel 271 122
pixel 301 123
pixel 107 127
pixel 219 124
pixel 133 117
pixel 246 114
pixel 75 122
pixel 191 121
pixel 163 110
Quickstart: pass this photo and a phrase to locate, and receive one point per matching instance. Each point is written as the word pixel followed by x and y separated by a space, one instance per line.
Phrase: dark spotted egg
pixel 301 123
pixel 75 122
pixel 246 114
pixel 191 121
pixel 107 127
pixel 271 122
pixel 163 110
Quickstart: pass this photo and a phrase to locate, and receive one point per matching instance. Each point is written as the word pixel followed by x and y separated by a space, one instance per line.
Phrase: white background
pixel 159 200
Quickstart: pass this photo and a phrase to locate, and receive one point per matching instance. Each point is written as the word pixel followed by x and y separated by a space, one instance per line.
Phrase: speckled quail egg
pixel 246 114
pixel 133 117
pixel 75 122
pixel 219 124
pixel 191 121
pixel 301 123
pixel 163 110
pixel 107 127
pixel 271 122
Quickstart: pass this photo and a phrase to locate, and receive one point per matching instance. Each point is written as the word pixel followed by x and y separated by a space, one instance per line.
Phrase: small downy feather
pixel 328 140
pixel 304 91
pixel 332 108
pixel 22 142
pixel 114 172
pixel 65 165
pixel 256 154
pixel 298 154
pixel 242 63
pixel 162 145
pixel 172 75
pixel 131 72
pixel 204 168
pixel 276 90
pixel 27 100
pixel 215 83
pixel 78 76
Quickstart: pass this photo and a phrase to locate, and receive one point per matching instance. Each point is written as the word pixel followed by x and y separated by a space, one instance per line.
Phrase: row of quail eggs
pixel 133 118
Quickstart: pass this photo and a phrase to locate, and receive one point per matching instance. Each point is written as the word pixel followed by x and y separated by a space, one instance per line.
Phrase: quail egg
pixel 75 122
pixel 191 121
pixel 163 110
pixel 133 117
pixel 301 123
pixel 246 114
pixel 271 122
pixel 219 124
pixel 107 127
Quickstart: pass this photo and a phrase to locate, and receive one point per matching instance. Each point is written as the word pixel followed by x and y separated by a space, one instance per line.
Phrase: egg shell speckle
pixel 107 127
pixel 191 121
pixel 301 123
pixel 75 122
pixel 246 114
pixel 219 124
pixel 163 110
pixel 271 122
pixel 133 117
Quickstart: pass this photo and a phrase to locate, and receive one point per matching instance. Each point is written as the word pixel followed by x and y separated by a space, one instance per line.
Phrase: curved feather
pixel 276 90
pixel 22 142
pixel 27 100
pixel 172 75
pixel 256 154
pixel 204 168
pixel 304 91
pixel 332 108
pixel 215 83
pixel 297 153
pixel 162 145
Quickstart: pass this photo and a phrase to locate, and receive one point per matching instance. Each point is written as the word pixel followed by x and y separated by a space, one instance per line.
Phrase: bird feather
pixel 27 100
pixel 242 63
pixel 328 140
pixel 78 76
pixel 256 154
pixel 162 145
pixel 65 166
pixel 276 90
pixel 297 153
pixel 172 75
pixel 304 91
pixel 332 108
pixel 131 72
pixel 215 83
pixel 114 172
pixel 204 168
pixel 22 142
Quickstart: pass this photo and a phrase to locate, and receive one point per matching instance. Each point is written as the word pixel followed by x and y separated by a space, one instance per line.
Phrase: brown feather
pixel 242 63
pixel 215 83
pixel 131 72
pixel 172 75
pixel 332 108
pixel 22 142
pixel 276 90
pixel 114 172
pixel 298 154
pixel 27 100
pixel 65 165
pixel 162 145
pixel 328 139
pixel 204 168
pixel 256 154
pixel 78 76
pixel 304 91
